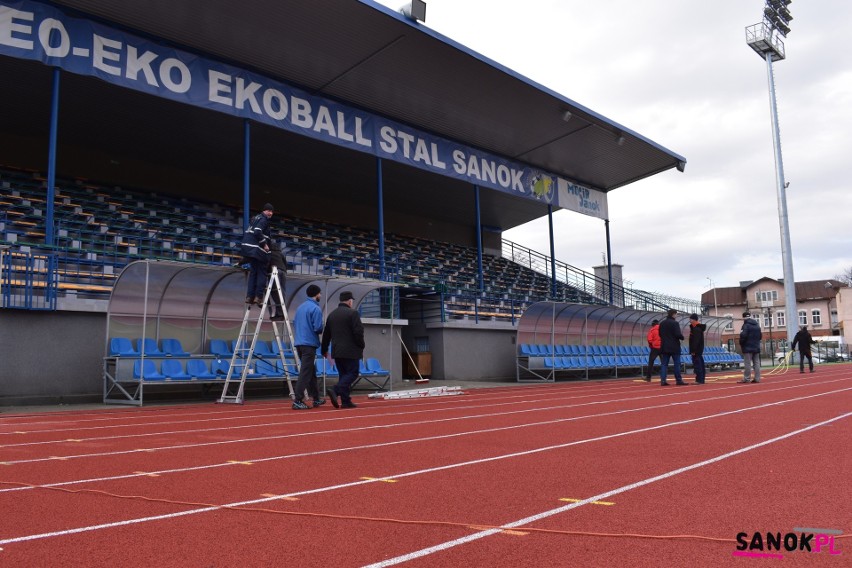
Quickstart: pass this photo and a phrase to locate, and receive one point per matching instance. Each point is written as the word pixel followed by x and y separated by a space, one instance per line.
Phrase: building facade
pixel 823 305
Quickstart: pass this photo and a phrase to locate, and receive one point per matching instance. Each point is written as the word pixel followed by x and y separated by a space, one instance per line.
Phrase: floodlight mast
pixel 765 39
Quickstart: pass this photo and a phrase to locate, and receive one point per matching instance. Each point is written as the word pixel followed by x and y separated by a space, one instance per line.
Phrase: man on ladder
pixel 308 326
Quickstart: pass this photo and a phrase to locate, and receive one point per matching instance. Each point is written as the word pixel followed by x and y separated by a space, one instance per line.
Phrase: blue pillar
pixel 381 209
pixel 609 261
pixel 552 252
pixel 49 239
pixel 478 238
pixel 246 172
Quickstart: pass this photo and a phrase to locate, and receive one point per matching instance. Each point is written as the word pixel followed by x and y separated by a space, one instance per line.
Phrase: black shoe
pixel 699 382
pixel 745 382
pixel 249 300
pixel 665 384
pixel 348 404
pixel 318 402
pixel 258 301
pixel 647 379
pixel 277 318
pixel 332 397
pixel 682 384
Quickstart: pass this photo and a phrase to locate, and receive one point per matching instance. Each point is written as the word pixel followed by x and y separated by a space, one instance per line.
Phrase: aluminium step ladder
pixel 243 360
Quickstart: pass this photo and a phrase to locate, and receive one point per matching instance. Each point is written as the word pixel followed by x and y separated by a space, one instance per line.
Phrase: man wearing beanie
pixel 345 333
pixel 696 347
pixel 307 325
pixel 255 248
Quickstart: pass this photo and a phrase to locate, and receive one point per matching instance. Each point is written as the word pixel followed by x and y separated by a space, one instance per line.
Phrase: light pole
pixel 715 304
pixel 765 39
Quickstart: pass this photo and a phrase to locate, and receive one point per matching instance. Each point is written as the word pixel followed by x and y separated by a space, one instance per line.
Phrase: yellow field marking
pixel 73 440
pixel 279 496
pixel 569 500
pixel 503 531
pixel 240 462
pixel 377 479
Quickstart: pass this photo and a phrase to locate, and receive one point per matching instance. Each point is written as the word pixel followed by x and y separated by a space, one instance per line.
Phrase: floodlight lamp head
pixel 566 116
pixel 620 139
pixel 414 10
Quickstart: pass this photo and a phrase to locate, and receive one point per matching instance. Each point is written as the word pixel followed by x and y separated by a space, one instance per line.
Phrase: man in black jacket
pixel 345 333
pixel 670 338
pixel 804 340
pixel 696 347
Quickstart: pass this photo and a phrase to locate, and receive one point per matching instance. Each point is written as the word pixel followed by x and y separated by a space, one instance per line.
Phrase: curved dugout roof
pixel 196 302
pixel 354 51
pixel 551 323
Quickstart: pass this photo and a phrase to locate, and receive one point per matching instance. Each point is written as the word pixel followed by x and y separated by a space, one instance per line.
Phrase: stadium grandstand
pixel 394 154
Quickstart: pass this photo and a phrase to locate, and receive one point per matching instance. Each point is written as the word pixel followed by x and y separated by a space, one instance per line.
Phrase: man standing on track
pixel 670 338
pixel 696 347
pixel 804 340
pixel 308 325
pixel 345 333
pixel 750 337
pixel 654 345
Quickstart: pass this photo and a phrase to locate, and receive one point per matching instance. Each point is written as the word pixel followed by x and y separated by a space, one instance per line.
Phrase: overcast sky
pixel 680 73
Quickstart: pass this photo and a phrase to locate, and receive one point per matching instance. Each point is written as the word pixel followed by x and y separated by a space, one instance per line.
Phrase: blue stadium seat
pixel 375 366
pixel 174 348
pixel 149 345
pixel 148 368
pixel 220 347
pixel 121 347
pixel 197 368
pixel 173 370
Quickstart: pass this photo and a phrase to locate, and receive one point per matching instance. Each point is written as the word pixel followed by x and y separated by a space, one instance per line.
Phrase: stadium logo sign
pixel 775 544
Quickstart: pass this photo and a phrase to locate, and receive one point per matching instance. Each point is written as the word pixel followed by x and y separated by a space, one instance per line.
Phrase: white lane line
pixel 740 393
pixel 432 470
pixel 522 522
pixel 504 401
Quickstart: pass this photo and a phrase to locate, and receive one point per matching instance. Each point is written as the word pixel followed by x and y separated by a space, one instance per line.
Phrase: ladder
pixel 243 361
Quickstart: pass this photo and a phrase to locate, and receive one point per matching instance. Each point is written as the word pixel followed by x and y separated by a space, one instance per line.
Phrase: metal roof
pixel 374 58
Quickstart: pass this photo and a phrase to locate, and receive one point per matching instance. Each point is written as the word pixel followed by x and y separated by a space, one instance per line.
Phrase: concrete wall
pixel 51 357
pixel 465 350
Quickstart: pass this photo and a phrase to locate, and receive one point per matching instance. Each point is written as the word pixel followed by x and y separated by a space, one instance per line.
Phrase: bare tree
pixel 845 277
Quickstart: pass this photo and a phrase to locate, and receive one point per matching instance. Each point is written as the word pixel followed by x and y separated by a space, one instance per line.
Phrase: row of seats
pixel 543 350
pixel 198 370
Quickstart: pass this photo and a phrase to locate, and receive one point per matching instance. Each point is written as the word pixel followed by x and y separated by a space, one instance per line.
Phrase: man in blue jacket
pixel 307 325
pixel 750 337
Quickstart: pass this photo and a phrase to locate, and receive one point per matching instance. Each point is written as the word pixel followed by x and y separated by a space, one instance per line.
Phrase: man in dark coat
pixel 804 340
pixel 670 338
pixel 696 347
pixel 345 333
pixel 750 337
pixel 255 249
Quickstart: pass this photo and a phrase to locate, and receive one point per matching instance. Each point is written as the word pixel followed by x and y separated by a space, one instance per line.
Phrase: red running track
pixel 604 473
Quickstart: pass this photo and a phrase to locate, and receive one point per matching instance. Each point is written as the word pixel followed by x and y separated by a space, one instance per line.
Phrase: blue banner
pixel 30 30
